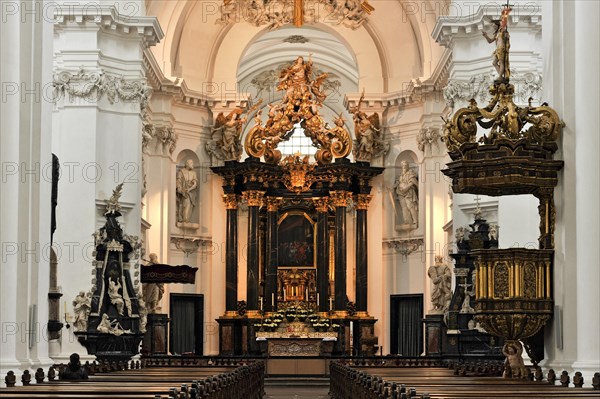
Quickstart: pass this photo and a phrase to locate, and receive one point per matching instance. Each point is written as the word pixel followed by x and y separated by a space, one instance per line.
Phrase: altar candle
pixel 318 301
pixel 306 295
pixel 330 303
pixel 273 300
pixel 260 300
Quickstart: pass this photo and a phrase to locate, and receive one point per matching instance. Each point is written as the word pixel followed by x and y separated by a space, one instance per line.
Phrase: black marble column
pixel 362 204
pixel 340 201
pixel 231 254
pixel 270 300
pixel 322 206
pixel 254 199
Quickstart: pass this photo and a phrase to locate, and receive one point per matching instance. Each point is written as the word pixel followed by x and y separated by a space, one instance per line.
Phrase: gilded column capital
pixel 254 197
pixel 340 198
pixel 362 201
pixel 321 204
pixel 231 201
pixel 273 203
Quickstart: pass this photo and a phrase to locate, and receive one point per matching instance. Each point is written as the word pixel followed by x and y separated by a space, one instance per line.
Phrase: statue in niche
pixel 441 277
pixel 367 130
pixel 230 128
pixel 115 297
pixel 407 192
pixel 502 39
pixel 82 308
pixel 187 184
pixel 153 292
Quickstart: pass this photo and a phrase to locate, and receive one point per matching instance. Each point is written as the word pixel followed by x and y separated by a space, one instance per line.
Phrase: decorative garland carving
pixel 405 247
pixel 303 96
pixel 92 86
pixel 188 245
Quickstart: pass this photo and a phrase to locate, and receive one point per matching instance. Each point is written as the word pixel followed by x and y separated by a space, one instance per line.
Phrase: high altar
pixel 296 252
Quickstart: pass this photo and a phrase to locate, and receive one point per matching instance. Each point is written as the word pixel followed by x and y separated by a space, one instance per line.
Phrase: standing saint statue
pixel 441 277
pixel 407 192
pixel 187 183
pixel 152 292
pixel 82 308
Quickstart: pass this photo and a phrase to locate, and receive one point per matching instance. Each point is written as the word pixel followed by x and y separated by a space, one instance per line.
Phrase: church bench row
pixel 150 383
pixel 371 383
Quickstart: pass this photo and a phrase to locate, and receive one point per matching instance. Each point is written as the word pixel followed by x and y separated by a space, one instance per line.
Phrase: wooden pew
pixel 243 382
pixel 389 382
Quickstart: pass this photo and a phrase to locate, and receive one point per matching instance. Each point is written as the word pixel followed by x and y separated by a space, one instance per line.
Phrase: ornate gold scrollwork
pixel 254 197
pixel 340 198
pixel 231 201
pixel 273 203
pixel 362 201
pixel 297 173
pixel 300 105
pixel 321 204
pixel 504 119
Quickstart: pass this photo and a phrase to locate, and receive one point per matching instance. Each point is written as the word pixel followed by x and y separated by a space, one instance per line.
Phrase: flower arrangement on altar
pixel 267 324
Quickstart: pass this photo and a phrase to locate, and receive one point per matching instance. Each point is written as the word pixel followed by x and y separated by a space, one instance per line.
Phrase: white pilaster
pixel 98 65
pixel 587 147
pixel 25 157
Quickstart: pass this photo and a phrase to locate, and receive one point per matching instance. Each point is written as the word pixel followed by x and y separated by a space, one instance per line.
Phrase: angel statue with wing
pixel 230 129
pixel 368 143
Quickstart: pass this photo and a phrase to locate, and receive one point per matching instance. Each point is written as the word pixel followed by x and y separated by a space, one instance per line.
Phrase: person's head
pixel 74 359
pixel 153 258
pixel 404 165
pixel 189 164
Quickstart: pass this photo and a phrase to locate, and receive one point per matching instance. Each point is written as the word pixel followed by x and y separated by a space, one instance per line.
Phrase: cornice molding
pixel 448 27
pixel 110 20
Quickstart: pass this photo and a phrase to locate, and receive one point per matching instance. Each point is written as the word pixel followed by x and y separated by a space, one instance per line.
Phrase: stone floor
pixel 296 392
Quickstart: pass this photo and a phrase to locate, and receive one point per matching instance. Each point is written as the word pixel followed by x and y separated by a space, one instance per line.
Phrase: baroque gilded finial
pixel 112 204
pixel 501 116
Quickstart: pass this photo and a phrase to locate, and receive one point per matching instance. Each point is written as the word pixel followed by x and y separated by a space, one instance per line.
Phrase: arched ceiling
pixel 393 47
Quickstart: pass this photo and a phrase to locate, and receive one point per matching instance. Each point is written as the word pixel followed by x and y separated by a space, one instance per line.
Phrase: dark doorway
pixel 187 320
pixel 406 312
